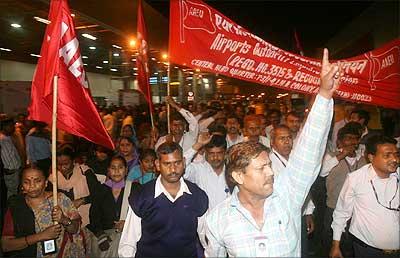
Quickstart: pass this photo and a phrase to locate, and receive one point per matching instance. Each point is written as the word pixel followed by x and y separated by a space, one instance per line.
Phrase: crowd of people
pixel 222 181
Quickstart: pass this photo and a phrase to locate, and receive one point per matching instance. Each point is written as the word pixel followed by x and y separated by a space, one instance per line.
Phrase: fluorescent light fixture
pixel 42 20
pixel 72 15
pixel 105 62
pixel 135 74
pixel 85 64
pixel 34 55
pixel 155 73
pixel 135 68
pixel 176 67
pixel 85 57
pixel 116 46
pixel 115 54
pixel 125 63
pixel 113 70
pixel 92 48
pixel 5 49
pixel 205 80
pixel 88 36
pixel 15 25
pixel 153 58
pixel 99 67
pixel 133 59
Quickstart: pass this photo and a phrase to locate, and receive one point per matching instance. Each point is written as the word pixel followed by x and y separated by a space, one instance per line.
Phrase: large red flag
pixel 142 60
pixel 60 56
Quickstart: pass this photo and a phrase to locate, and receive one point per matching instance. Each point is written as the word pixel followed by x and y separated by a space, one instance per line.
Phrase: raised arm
pixel 305 160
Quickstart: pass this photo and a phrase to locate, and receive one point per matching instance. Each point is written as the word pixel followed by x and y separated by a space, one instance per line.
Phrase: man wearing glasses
pixel 370 196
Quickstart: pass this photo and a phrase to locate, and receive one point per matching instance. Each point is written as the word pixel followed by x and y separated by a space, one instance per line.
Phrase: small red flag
pixel 142 60
pixel 60 55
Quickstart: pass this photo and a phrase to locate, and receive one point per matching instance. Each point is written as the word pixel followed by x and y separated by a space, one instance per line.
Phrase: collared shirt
pixel 371 223
pixel 132 231
pixel 37 148
pixel 230 142
pixel 336 127
pixel 278 164
pixel 9 153
pixel 189 138
pixel 203 175
pixel 231 229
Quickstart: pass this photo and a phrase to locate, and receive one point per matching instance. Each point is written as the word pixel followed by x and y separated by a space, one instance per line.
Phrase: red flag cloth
pixel 60 56
pixel 231 50
pixel 142 60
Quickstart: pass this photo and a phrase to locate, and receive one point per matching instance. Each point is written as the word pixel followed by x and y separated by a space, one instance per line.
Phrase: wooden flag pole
pixel 54 141
pixel 168 94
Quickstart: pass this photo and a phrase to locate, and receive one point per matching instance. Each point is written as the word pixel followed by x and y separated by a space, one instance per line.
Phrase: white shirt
pixel 230 142
pixel 132 231
pixel 203 175
pixel 278 164
pixel 188 138
pixel 371 223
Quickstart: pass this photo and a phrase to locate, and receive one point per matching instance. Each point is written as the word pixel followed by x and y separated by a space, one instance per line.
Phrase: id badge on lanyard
pixel 261 246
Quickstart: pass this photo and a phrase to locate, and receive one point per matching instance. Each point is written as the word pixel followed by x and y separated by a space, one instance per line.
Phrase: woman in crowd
pixel 76 181
pixel 109 209
pixel 29 222
pixel 127 149
pixel 144 172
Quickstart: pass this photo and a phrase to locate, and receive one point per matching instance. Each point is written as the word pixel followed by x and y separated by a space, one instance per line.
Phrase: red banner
pixel 201 37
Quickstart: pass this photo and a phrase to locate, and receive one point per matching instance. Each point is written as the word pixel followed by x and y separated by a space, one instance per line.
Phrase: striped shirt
pixel 230 228
pixel 9 153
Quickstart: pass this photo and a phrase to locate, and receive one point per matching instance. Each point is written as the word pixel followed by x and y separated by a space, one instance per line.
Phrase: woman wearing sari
pixel 29 229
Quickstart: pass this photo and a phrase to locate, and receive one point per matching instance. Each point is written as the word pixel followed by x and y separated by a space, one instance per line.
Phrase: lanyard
pixel 276 155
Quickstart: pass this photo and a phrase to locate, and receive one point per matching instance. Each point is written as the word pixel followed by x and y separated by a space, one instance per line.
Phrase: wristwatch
pixel 68 223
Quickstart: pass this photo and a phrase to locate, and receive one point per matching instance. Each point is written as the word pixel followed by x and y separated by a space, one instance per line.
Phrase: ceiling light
pixel 34 55
pixel 133 59
pixel 15 25
pixel 197 70
pixel 115 54
pixel 85 64
pixel 164 56
pixel 176 67
pixel 153 58
pixel 155 73
pixel 5 49
pixel 113 70
pixel 99 67
pixel 135 74
pixel 88 36
pixel 105 62
pixel 116 46
pixel 92 48
pixel 72 15
pixel 42 20
pixel 85 57
pixel 125 63
pixel 132 42
pixel 135 68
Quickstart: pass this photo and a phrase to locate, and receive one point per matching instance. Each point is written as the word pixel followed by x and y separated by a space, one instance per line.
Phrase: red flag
pixel 60 56
pixel 142 60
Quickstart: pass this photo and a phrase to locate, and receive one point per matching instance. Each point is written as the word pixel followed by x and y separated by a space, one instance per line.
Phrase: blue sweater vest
pixel 168 229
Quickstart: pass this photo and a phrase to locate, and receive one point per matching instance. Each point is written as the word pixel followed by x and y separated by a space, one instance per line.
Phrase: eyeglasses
pixel 390 202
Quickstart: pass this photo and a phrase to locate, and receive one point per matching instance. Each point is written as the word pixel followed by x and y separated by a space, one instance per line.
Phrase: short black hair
pixel 118 157
pixel 217 141
pixel 147 152
pixel 217 128
pixel 363 114
pixel 168 148
pixel 66 150
pixel 352 128
pixel 374 141
pixel 176 116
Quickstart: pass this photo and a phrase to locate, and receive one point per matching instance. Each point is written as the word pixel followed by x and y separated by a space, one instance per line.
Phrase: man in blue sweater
pixel 165 217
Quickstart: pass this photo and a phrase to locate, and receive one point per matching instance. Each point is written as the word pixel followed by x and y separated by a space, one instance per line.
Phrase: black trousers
pixel 363 250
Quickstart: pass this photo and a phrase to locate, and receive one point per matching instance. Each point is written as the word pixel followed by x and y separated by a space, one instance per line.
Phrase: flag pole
pixel 53 141
pixel 168 94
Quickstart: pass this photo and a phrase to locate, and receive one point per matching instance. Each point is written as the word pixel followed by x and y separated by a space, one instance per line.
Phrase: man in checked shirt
pixel 263 218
